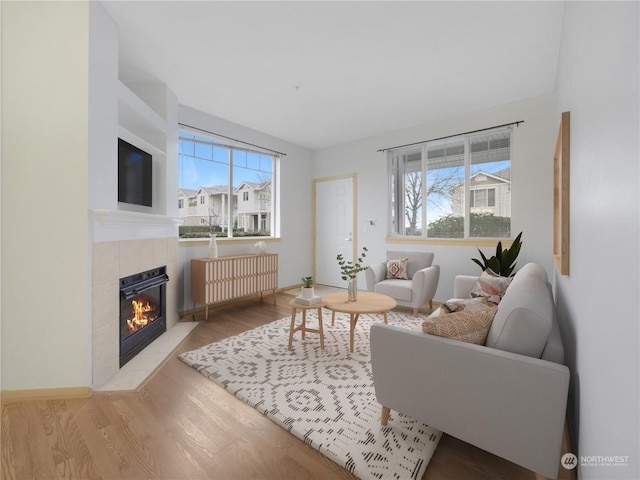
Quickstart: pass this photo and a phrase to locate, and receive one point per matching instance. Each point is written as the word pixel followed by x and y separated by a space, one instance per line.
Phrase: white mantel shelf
pixel 123 217
pixel 111 225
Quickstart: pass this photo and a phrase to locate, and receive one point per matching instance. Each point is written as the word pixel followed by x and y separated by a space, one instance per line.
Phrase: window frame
pixel 472 197
pixel 235 218
pixel 396 204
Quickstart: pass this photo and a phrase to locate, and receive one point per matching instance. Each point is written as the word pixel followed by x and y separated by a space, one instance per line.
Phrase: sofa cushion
pixel 523 321
pixel 469 304
pixel 491 286
pixel 395 288
pixel 397 268
pixel 466 326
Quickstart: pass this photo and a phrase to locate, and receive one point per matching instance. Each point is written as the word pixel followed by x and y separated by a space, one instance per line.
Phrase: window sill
pixel 196 242
pixel 457 242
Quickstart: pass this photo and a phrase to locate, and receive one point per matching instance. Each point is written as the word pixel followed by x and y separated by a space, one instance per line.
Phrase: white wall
pixel 103 110
pixel 532 180
pixel 45 271
pixel 598 302
pixel 294 246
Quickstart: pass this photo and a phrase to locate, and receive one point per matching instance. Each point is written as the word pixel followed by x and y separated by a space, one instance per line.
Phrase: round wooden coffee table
pixel 367 302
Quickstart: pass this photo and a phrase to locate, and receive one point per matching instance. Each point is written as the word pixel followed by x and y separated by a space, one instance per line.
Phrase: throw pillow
pixel 397 268
pixel 470 327
pixel 469 304
pixel 491 286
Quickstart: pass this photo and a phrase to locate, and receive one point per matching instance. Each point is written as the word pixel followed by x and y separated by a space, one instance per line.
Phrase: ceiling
pixel 323 73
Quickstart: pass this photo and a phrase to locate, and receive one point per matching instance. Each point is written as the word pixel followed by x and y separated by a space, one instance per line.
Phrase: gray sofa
pixel 507 397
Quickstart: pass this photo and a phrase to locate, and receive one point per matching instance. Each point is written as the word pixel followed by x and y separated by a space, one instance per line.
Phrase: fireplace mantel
pixel 124 217
pixel 110 225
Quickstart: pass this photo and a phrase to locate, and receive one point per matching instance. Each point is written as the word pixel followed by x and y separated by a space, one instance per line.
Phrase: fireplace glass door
pixel 142 316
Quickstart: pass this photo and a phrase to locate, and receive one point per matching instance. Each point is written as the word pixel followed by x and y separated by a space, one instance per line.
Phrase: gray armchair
pixel 420 286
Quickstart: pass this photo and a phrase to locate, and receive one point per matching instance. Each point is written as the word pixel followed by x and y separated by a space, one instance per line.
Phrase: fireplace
pixel 142 311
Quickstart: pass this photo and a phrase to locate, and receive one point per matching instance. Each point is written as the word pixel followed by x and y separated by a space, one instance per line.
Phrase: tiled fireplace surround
pixel 111 261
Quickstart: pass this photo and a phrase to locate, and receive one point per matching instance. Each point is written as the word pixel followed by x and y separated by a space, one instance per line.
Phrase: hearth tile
pixel 130 257
pixel 104 307
pixel 172 250
pixel 138 369
pixel 105 264
pixel 160 251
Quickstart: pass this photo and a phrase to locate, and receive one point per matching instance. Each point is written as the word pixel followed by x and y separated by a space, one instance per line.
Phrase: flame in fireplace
pixel 140 318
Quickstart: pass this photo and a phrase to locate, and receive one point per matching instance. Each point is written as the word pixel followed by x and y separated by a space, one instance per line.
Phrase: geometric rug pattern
pixel 324 397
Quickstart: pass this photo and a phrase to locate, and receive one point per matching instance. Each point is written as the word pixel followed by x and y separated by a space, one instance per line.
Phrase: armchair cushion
pixel 395 288
pixel 397 268
pixel 525 315
pixel 465 326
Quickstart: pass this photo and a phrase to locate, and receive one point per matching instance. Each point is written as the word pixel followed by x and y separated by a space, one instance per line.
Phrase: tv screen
pixel 135 176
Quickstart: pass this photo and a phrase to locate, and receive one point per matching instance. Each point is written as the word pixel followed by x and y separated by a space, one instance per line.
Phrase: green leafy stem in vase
pixel 351 269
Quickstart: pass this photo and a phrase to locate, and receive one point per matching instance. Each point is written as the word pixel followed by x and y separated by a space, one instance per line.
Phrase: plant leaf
pixel 514 251
pixel 478 262
pixel 494 265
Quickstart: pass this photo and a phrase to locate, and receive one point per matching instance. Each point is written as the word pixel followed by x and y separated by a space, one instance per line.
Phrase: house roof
pixel 250 186
pixel 497 178
pixel 504 174
pixel 215 190
pixel 501 176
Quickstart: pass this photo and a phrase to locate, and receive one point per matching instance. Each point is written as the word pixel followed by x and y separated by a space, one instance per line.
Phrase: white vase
pixel 307 292
pixel 213 246
pixel 261 248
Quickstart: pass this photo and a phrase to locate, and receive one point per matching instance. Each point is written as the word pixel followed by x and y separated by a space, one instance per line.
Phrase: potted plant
pixel 504 261
pixel 307 289
pixel 349 271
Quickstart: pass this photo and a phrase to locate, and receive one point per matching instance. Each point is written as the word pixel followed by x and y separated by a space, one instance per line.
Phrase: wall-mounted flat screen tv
pixel 135 175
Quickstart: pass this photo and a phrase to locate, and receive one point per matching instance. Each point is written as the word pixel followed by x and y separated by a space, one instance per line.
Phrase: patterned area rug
pixel 324 397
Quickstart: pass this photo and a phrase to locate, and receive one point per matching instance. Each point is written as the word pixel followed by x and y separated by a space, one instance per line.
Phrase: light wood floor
pixel 182 426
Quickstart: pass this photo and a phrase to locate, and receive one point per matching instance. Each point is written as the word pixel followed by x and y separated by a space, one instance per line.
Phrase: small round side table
pixel 295 306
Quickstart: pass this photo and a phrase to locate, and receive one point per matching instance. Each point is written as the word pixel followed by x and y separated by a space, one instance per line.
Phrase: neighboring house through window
pixel 459 187
pixel 211 178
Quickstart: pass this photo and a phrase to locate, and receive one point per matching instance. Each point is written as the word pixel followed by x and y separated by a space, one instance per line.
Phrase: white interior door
pixel 334 227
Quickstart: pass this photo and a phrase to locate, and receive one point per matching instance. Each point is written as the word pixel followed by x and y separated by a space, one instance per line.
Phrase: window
pixel 212 176
pixel 483 197
pixel 454 188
